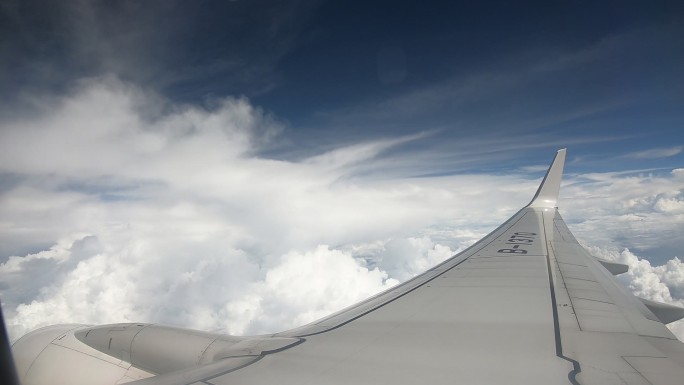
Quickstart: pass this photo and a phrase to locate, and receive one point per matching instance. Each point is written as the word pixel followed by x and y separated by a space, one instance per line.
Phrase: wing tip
pixel 547 193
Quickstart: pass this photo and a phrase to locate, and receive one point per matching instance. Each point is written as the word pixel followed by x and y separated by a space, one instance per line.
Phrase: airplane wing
pixel 524 305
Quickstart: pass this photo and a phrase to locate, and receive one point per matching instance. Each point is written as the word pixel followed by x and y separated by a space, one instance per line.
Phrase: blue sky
pixel 228 149
pixel 500 77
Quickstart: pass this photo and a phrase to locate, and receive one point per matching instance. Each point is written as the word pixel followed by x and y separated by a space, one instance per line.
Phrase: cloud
pixel 535 168
pixel 662 283
pixel 138 209
pixel 639 210
pixel 305 286
pixel 118 205
pixel 527 91
pixel 106 125
pixel 656 153
pixel 408 257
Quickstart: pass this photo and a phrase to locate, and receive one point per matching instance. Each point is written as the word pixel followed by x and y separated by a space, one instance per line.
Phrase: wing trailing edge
pixel 547 194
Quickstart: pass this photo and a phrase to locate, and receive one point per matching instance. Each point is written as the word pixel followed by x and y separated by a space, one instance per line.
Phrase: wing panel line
pixel 576 367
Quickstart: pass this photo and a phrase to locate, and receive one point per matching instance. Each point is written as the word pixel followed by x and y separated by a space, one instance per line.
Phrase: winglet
pixel 547 194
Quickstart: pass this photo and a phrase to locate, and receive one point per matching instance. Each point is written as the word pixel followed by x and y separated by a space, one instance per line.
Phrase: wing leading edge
pixel 545 197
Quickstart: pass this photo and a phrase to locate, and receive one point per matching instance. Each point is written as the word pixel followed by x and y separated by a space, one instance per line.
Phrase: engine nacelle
pixel 120 353
pixel 53 355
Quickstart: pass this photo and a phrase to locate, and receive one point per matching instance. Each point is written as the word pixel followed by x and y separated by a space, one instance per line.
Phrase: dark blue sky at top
pixel 487 80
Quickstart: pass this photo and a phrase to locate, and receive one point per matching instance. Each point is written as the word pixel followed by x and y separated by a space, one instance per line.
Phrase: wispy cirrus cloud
pixel 654 153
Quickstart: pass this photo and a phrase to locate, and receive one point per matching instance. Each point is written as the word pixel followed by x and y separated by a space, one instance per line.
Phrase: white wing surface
pixel 525 305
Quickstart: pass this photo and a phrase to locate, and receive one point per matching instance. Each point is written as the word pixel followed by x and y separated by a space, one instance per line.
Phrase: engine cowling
pixel 53 355
pixel 120 353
